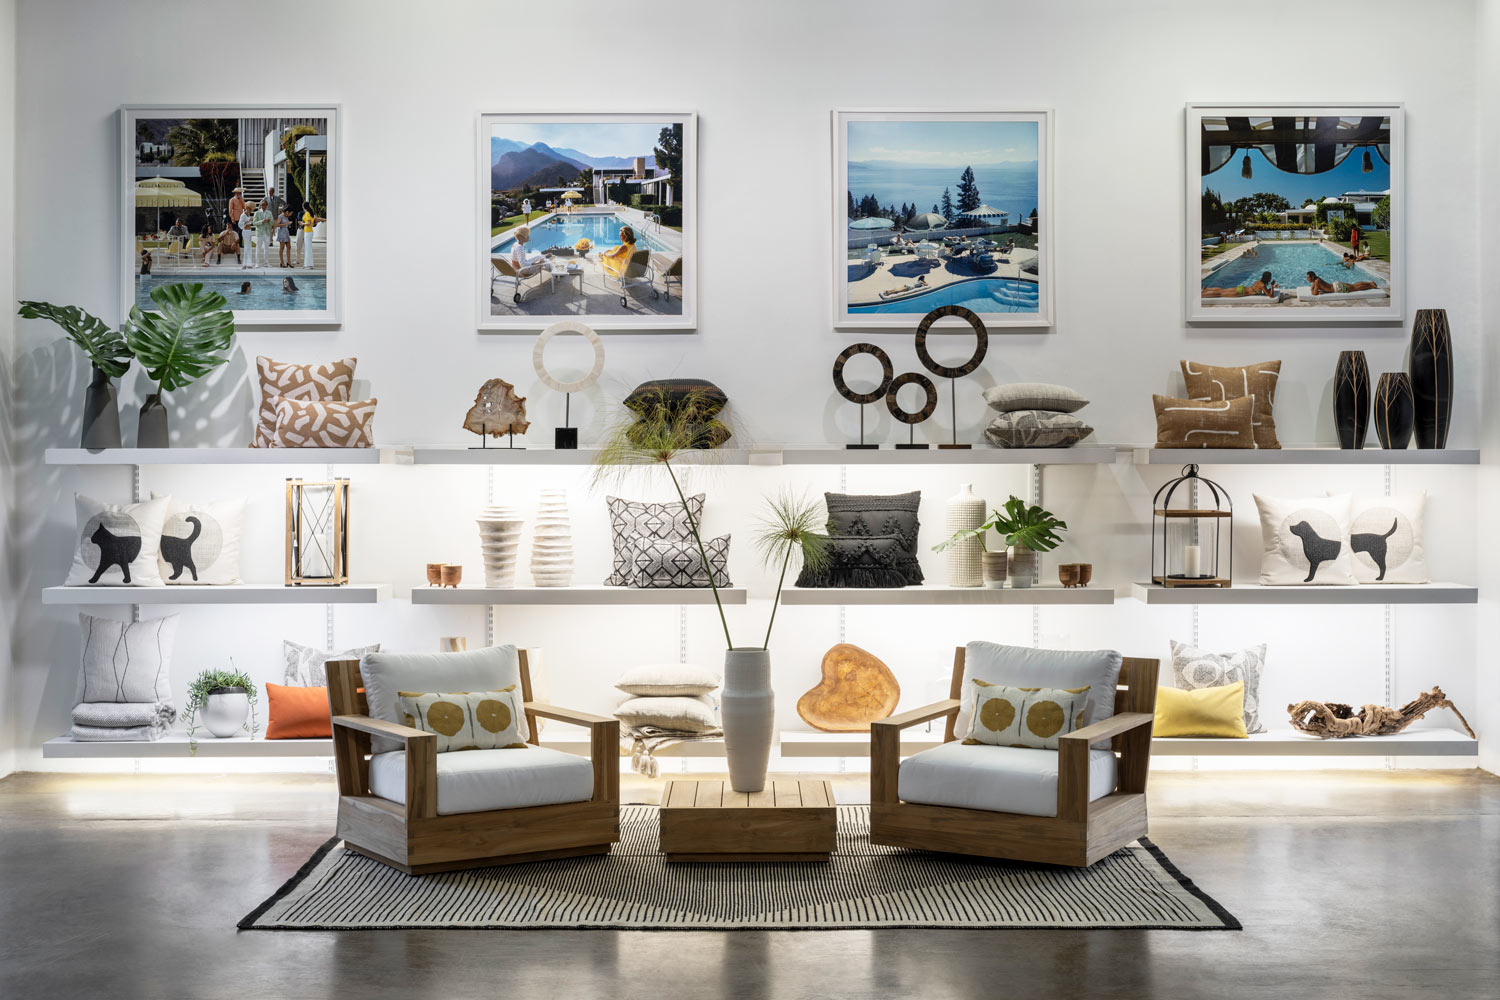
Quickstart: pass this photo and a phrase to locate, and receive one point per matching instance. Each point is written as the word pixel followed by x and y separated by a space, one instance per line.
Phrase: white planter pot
pixel 748 709
pixel 964 511
pixel 224 711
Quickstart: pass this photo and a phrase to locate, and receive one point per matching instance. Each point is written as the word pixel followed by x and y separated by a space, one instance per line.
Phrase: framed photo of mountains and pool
pixel 590 217
pixel 942 208
pixel 1295 213
pixel 243 199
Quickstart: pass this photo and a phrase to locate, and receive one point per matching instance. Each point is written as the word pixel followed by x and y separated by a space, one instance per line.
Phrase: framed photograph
pixel 937 208
pixel 243 199
pixel 590 217
pixel 1295 213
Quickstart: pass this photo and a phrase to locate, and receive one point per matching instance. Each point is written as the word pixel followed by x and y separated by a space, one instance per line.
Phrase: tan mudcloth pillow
pixel 331 424
pixel 1024 717
pixel 466 720
pixel 1203 423
pixel 1255 381
pixel 279 378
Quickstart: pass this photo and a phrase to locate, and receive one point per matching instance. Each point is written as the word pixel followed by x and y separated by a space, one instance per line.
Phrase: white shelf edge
pixel 501 455
pixel 596 596
pixel 238 593
pixel 175 744
pixel 1094 594
pixel 1306 456
pixel 226 456
pixel 977 455
pixel 1255 594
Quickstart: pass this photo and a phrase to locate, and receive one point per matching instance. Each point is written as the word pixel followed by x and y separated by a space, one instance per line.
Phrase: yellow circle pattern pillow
pixel 1024 717
pixel 466 720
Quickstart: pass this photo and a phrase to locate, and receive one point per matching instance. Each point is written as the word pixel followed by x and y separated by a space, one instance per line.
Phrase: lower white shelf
pixel 236 593
pixel 574 595
pixel 175 744
pixel 1252 593
pixel 928 595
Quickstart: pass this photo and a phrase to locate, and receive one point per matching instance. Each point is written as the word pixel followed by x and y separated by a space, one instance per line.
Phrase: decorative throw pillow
pixel 1305 541
pixel 630 520
pixel 1036 429
pixel 279 378
pixel 660 563
pixel 864 561
pixel 117 543
pixel 1201 423
pixel 679 714
pixel 1034 396
pixel 1024 717
pixel 493 668
pixel 297 713
pixel 127 661
pixel 1024 666
pixel 304 423
pixel 1212 382
pixel 855 515
pixel 200 543
pixel 692 406
pixel 466 720
pixel 1211 711
pixel 305 665
pixel 1386 539
pixel 1193 668
pixel 665 680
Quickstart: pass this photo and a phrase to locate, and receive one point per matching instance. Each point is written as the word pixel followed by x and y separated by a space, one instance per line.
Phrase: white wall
pixel 763 78
pixel 1487 717
pixel 7 351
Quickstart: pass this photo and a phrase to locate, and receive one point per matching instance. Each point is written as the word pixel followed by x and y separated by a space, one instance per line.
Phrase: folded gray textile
pixel 120 715
pixel 645 741
pixel 109 734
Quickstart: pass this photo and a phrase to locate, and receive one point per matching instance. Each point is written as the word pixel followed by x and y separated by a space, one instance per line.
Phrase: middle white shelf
pixel 934 595
pixel 234 593
pixel 1253 593
pixel 598 595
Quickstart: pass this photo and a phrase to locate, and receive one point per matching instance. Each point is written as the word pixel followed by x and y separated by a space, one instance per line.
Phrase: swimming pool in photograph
pixel 265 290
pixel 1288 266
pixel 981 295
pixel 565 230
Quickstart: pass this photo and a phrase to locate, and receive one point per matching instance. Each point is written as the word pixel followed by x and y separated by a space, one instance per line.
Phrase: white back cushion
pixel 488 669
pixel 1022 666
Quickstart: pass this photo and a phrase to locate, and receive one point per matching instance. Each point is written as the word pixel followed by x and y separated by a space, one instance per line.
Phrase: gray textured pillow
pixel 304 664
pixel 1036 429
pixel 657 563
pixel 1034 396
pixel 127 661
pixel 1194 668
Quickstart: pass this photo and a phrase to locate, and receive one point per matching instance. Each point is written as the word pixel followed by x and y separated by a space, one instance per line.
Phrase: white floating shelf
pixel 223 456
pixel 501 455
pixel 574 595
pixel 1251 593
pixel 930 595
pixel 1290 743
pixel 575 740
pixel 239 593
pixel 978 455
pixel 175 744
pixel 1306 456
pixel 799 743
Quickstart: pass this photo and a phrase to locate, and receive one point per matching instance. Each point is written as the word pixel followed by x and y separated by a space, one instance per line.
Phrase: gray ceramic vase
pixel 747 707
pixel 101 413
pixel 153 431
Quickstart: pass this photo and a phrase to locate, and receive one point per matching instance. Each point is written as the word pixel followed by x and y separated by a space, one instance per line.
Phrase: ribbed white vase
pixel 965 511
pixel 500 544
pixel 552 541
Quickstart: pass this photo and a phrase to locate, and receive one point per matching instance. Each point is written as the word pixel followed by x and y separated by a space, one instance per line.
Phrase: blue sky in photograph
pixel 942 144
pixel 589 138
pixel 1297 188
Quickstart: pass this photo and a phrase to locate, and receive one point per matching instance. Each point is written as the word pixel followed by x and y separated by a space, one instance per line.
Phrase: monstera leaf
pixel 178 344
pixel 104 347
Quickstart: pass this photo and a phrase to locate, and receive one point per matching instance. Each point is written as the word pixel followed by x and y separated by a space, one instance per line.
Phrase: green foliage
pixel 668 151
pixel 1022 525
pixel 947 206
pixel 208 682
pixel 968 191
pixel 791 528
pixel 1339 229
pixel 104 347
pixel 196 138
pixel 179 344
pixel 1382 214
pixel 313 191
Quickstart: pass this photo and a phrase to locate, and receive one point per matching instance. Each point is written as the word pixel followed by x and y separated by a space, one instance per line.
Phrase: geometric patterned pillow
pixel 1036 429
pixel 1024 717
pixel 323 424
pixel 660 563
pixel 1193 668
pixel 305 664
pixel 466 720
pixel 278 378
pixel 631 521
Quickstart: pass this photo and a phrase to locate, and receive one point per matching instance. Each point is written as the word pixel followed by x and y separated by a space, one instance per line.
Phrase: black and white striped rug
pixel 634 888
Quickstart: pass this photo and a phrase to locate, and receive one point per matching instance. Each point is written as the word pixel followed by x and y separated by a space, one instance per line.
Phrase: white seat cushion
pixel 997 779
pixel 481 780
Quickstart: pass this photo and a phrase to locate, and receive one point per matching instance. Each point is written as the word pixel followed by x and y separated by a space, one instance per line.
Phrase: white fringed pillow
pixel 665 680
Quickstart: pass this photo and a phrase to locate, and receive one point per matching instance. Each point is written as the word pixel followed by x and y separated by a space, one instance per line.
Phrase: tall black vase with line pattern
pixel 1393 410
pixel 1431 377
pixel 1351 399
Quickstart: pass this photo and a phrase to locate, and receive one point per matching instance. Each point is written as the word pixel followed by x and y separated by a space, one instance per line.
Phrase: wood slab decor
pixel 788 820
pixel 856 690
pixel 1335 719
pixel 497 410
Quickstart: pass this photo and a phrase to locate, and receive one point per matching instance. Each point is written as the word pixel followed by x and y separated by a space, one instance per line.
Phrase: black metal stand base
pixel 862 447
pixel 955 447
pixel 921 446
pixel 565 438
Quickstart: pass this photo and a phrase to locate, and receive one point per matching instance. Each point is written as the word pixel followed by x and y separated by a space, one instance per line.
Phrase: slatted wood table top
pixel 788 820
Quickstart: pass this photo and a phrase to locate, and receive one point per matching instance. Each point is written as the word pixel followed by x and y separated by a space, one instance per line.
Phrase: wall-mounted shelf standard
pixel 979 455
pixel 932 595
pixel 223 456
pixel 175 744
pixel 238 593
pixel 596 596
pixel 1290 743
pixel 1251 593
pixel 1306 456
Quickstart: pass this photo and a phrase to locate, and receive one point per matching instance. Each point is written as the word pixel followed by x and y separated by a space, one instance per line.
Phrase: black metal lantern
pixel 1189 548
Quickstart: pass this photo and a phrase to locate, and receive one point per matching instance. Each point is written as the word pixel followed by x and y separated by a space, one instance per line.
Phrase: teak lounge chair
pixel 635 271
pixel 412 808
pixel 1099 804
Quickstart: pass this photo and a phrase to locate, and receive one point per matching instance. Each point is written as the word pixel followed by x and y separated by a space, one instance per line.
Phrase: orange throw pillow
pixel 298 713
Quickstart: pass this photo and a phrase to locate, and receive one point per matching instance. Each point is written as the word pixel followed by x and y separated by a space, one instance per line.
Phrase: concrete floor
pixel 1360 884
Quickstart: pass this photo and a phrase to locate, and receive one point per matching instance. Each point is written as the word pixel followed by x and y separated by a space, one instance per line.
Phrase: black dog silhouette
pixel 1315 547
pixel 179 551
pixel 1373 545
pixel 114 550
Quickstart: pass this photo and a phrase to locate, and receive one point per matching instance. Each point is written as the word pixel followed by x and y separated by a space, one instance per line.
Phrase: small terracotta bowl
pixel 1067 574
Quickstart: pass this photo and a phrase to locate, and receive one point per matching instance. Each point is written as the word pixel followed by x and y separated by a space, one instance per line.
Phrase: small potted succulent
pixel 105 348
pixel 1027 530
pixel 226 699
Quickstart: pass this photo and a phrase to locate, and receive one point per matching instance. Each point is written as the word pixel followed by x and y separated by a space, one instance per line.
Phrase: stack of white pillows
pixel 666 704
pixel 1035 415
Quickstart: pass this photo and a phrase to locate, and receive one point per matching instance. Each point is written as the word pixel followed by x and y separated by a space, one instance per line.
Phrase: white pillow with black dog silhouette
pixel 116 544
pixel 200 542
pixel 1305 541
pixel 1386 539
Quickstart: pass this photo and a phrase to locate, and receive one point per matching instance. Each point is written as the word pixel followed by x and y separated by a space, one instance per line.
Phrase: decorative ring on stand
pixel 981 342
pixel 885 378
pixel 568 326
pixel 905 379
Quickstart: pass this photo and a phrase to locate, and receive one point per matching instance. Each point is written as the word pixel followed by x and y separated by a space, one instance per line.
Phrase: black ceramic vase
pixel 1393 410
pixel 152 432
pixel 1351 399
pixel 1431 377
pixel 101 413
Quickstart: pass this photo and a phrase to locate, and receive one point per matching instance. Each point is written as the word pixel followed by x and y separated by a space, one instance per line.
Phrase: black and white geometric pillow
pixel 630 521
pixel 200 543
pixel 662 563
pixel 1194 668
pixel 305 664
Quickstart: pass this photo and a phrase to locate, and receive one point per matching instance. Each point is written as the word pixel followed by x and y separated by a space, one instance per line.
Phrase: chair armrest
pixel 1115 725
pixel 569 715
pixel 421 759
pixel 604 745
pixel 937 710
pixel 379 727
pixel 1073 759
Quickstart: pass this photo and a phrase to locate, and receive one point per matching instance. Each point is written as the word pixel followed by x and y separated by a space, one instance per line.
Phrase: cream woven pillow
pixel 466 720
pixel 668 679
pixel 1025 717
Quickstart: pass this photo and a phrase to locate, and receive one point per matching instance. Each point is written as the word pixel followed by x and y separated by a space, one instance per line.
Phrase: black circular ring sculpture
pixel 885 378
pixel 981 342
pixel 905 379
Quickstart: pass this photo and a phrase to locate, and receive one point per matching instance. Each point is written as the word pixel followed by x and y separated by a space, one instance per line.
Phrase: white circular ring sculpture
pixel 568 326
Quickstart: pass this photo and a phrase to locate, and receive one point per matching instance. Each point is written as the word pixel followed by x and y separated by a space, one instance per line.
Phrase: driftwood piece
pixel 856 689
pixel 1326 719
pixel 497 410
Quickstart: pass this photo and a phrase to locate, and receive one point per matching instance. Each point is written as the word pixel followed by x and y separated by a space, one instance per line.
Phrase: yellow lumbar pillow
pixel 1210 711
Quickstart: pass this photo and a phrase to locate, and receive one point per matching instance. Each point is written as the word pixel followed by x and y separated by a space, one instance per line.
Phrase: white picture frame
pixel 319 287
pixel 1229 270
pixel 658 298
pixel 1020 281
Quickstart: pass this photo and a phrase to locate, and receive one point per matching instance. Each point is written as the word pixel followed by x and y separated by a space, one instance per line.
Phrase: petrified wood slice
pixel 497 410
pixel 856 690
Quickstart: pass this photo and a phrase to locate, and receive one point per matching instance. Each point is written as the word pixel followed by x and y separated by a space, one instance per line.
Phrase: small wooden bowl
pixel 1085 574
pixel 1067 574
pixel 434 574
pixel 452 574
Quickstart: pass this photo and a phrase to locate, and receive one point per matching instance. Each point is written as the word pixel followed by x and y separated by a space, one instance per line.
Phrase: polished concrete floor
pixel 1350 884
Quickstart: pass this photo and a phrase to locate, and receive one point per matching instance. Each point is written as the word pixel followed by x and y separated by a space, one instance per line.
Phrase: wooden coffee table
pixel 789 820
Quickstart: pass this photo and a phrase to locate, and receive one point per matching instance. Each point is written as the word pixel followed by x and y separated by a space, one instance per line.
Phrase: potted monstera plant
pixel 105 348
pixel 177 343
pixel 1027 530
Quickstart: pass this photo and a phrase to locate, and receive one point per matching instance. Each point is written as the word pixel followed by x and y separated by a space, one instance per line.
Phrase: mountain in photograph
pixel 607 162
pixel 514 164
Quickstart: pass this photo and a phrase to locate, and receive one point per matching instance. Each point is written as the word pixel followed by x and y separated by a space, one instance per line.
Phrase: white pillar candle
pixel 1191 561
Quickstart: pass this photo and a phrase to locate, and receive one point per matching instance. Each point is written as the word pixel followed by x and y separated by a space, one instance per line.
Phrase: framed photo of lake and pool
pixel 243 199
pixel 590 217
pixel 942 208
pixel 1295 213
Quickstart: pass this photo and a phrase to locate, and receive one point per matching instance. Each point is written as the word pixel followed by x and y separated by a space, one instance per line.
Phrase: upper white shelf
pixel 574 595
pixel 175 744
pixel 1251 593
pixel 931 595
pixel 237 593
pixel 222 456
pixel 500 455
pixel 1306 456
pixel 978 455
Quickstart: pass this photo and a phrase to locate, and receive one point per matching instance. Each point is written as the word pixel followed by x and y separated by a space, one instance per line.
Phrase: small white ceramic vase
pixel 224 711
pixel 552 542
pixel 500 544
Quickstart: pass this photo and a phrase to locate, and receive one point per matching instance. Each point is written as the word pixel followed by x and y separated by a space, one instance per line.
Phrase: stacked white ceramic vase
pixel 500 544
pixel 552 542
pixel 965 511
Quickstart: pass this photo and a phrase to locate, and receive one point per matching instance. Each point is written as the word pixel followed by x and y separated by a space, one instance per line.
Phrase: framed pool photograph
pixel 1295 213
pixel 243 199
pixel 586 216
pixel 942 208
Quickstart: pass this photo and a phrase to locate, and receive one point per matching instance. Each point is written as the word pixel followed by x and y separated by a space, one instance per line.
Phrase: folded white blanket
pixel 106 734
pixel 108 714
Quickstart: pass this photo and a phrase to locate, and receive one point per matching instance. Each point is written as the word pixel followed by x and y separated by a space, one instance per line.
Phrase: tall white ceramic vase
pixel 965 511
pixel 552 542
pixel 747 707
pixel 500 544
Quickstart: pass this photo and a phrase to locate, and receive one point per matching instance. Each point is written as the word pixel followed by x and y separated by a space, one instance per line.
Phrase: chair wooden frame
pixel 415 839
pixel 1081 833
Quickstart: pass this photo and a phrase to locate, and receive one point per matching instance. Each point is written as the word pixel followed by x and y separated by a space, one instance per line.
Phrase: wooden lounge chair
pixel 504 270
